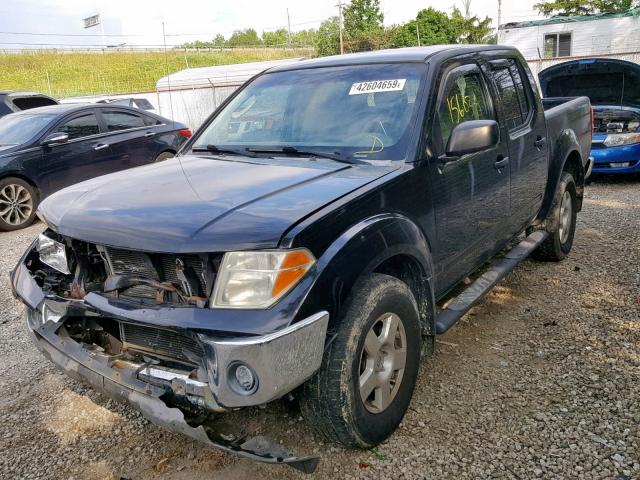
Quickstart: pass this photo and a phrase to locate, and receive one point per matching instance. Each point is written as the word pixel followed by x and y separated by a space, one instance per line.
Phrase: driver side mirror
pixel 473 136
pixel 54 138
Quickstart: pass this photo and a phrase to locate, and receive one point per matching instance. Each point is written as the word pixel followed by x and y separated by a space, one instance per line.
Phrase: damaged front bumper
pixel 280 361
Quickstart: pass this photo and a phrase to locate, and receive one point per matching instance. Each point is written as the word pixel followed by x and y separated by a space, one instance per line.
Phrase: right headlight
pixel 53 253
pixel 259 279
pixel 619 139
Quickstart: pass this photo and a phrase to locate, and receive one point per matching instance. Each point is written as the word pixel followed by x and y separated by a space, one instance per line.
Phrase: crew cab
pixel 305 239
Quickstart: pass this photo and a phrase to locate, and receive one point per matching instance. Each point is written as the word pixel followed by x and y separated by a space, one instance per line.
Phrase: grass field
pixel 67 74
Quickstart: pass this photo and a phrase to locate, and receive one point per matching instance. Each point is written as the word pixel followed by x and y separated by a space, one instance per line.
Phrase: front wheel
pixel 561 223
pixel 366 381
pixel 18 202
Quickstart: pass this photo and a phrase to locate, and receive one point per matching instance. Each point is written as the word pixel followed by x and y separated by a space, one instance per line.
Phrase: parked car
pixel 301 241
pixel 11 101
pixel 140 103
pixel 614 89
pixel 45 149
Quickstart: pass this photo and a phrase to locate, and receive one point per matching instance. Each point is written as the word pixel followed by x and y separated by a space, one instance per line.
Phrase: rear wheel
pixel 164 156
pixel 561 223
pixel 366 381
pixel 18 203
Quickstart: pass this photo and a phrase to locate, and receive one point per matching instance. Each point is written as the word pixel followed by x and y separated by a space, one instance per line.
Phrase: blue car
pixel 45 149
pixel 614 89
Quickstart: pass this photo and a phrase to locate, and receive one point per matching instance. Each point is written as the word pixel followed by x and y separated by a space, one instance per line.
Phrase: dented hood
pixel 202 204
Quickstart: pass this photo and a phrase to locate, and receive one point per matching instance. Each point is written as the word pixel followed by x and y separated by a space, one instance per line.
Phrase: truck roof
pixel 408 54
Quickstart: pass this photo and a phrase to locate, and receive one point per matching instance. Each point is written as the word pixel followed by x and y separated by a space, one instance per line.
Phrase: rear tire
pixel 369 371
pixel 561 222
pixel 18 204
pixel 164 156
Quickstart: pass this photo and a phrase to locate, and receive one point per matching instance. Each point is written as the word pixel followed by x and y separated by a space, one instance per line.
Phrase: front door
pixel 85 155
pixel 471 194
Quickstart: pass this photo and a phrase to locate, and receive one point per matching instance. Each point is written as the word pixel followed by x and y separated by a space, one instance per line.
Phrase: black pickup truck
pixel 304 241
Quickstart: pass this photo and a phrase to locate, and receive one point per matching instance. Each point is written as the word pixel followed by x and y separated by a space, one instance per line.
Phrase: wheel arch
pixel 25 178
pixel 387 243
pixel 567 157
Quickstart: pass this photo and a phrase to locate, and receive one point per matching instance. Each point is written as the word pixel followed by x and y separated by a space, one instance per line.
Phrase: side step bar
pixel 485 282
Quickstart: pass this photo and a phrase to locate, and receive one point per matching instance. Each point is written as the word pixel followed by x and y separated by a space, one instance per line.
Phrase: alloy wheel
pixel 382 362
pixel 16 204
pixel 566 216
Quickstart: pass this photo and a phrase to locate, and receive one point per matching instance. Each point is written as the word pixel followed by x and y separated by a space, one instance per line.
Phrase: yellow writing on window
pixel 459 106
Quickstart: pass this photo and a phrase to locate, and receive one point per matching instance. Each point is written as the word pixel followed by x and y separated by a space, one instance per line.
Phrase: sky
pixel 28 24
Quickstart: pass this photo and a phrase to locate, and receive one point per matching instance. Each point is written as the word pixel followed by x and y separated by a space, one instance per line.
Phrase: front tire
pixel 561 223
pixel 18 203
pixel 366 381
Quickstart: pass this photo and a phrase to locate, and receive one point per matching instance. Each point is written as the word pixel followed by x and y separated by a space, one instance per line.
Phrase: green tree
pixel 583 7
pixel 327 41
pixel 304 37
pixel 244 38
pixel 363 25
pixel 435 27
pixel 219 41
pixel 276 38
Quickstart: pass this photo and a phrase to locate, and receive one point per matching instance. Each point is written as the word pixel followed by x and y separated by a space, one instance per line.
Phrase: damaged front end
pixel 131 324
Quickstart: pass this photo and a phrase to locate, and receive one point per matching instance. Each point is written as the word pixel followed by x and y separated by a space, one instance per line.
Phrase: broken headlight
pixel 53 253
pixel 618 139
pixel 259 279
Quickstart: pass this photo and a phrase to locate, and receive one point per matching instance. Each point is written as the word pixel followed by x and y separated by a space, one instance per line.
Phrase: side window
pixel 464 99
pixel 79 127
pixel 122 120
pixel 515 100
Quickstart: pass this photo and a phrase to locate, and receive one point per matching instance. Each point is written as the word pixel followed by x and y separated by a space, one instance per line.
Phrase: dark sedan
pixel 45 149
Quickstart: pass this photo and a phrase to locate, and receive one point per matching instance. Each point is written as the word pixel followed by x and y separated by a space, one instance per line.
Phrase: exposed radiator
pixel 164 343
pixel 155 266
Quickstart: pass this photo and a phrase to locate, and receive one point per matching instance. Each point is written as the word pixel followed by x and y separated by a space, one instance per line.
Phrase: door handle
pixel 501 162
pixel 101 146
pixel 539 143
pixel 149 134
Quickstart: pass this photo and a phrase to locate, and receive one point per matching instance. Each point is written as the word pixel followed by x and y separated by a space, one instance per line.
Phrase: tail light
pixel 185 132
pixel 593 122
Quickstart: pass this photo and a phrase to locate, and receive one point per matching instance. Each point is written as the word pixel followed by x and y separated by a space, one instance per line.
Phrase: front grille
pixel 158 267
pixel 160 342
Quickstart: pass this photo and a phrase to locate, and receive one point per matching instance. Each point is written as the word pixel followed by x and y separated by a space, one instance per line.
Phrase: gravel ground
pixel 541 380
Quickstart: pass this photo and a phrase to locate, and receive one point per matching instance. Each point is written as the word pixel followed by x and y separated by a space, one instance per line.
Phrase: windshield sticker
pixel 378 86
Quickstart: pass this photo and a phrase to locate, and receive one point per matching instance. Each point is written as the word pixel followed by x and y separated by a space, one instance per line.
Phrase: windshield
pixel 356 111
pixel 17 128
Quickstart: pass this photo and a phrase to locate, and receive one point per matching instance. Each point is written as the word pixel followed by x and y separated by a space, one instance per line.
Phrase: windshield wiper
pixel 312 153
pixel 225 151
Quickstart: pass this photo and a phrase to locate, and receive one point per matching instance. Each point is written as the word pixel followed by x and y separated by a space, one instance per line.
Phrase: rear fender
pixel 566 145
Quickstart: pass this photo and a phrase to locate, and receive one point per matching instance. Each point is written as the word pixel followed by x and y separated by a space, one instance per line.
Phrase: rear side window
pixel 26 103
pixel 81 126
pixel 465 99
pixel 515 100
pixel 122 120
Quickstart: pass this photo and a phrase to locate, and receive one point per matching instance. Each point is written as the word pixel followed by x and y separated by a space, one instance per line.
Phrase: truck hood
pixel 202 204
pixel 605 81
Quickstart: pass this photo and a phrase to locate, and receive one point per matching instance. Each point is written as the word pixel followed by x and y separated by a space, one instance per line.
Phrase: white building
pixel 554 40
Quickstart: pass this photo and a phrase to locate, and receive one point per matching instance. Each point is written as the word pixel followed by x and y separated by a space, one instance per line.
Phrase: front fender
pixel 358 251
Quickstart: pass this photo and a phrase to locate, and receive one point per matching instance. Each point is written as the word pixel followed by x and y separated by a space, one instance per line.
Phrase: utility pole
pixel 418 33
pixel 499 19
pixel 288 28
pixel 339 5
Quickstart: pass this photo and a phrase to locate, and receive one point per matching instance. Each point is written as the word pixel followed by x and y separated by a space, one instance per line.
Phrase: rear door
pixel 132 136
pixel 85 155
pixel 471 194
pixel 522 121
